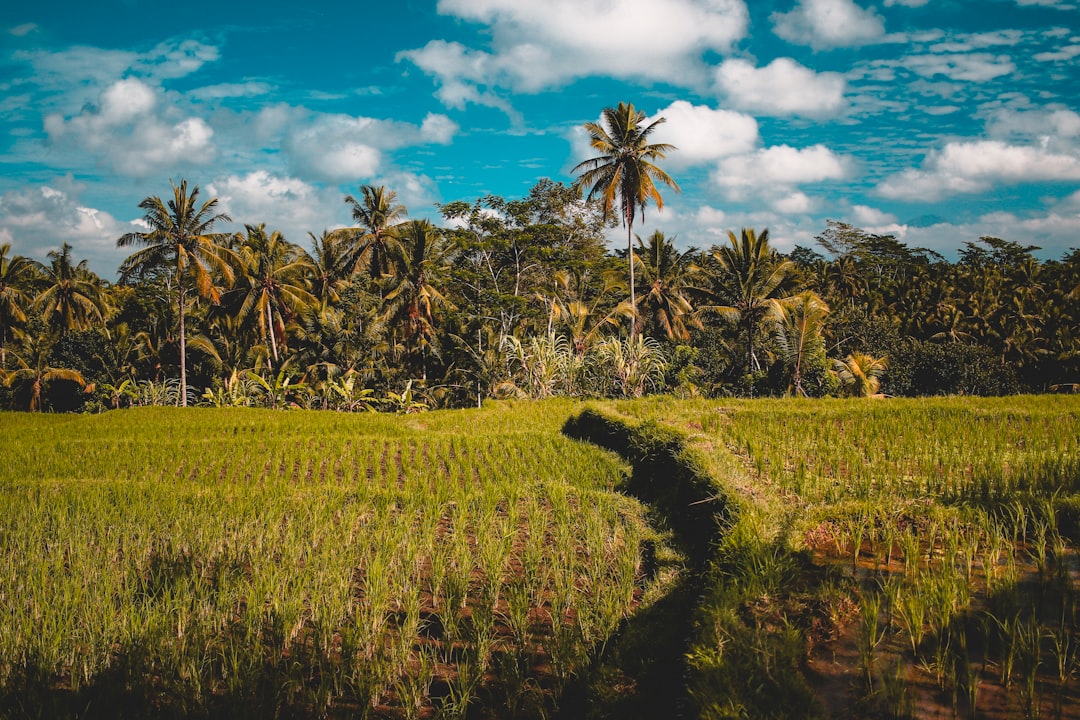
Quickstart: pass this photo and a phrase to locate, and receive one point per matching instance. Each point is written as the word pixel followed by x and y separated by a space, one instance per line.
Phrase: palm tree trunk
pixel 183 349
pixel 270 329
pixel 630 256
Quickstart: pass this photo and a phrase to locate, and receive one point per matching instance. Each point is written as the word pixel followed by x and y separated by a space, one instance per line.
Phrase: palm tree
pixel 271 283
pixel 860 374
pixel 624 170
pixel 17 275
pixel 180 238
pixel 414 292
pixel 377 214
pixel 33 361
pixel 667 274
pixel 747 276
pixel 584 317
pixel 73 298
pixel 801 320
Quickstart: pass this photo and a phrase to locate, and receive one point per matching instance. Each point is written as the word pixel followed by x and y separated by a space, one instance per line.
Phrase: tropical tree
pixel 747 278
pixel 799 334
pixel 583 314
pixel 180 238
pixel 378 214
pixel 860 374
pixel 271 283
pixel 34 365
pixel 624 170
pixel 17 275
pixel 667 274
pixel 414 288
pixel 72 297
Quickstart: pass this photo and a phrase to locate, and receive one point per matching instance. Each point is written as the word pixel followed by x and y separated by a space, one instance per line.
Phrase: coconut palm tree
pixel 860 374
pixel 624 170
pixel 72 298
pixel 799 333
pixel 667 274
pixel 378 214
pixel 17 275
pixel 747 277
pixel 33 361
pixel 181 238
pixel 414 288
pixel 271 283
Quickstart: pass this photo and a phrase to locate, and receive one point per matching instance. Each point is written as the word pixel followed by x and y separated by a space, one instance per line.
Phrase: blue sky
pixel 934 120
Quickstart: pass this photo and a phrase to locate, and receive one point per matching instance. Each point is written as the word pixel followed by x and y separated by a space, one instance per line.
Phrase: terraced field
pixel 167 562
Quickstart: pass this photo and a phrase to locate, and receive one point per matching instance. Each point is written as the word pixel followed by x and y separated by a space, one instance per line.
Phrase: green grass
pixel 935 536
pixel 241 562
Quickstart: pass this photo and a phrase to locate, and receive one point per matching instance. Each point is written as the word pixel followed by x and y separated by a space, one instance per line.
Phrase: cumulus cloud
pixel 128 132
pixel 701 134
pixel 1050 123
pixel 968 167
pixel 868 217
pixel 779 169
pixel 906 3
pixel 1064 54
pixel 795 203
pixel 23 29
pixel 328 146
pixel 35 220
pixel 783 87
pixel 823 24
pixel 284 203
pixel 546 43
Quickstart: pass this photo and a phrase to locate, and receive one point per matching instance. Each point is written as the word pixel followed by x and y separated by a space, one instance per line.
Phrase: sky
pixel 937 121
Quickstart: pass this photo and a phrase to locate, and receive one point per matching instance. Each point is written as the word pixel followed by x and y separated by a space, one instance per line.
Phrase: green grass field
pixel 876 559
pixel 236 562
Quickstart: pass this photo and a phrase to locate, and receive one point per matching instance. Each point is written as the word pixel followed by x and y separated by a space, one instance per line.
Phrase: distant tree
pixel 667 274
pixel 624 170
pixel 181 238
pixel 17 276
pixel 72 297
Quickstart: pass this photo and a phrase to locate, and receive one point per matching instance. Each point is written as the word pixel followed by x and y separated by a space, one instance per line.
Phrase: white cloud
pixel 796 203
pixel 970 67
pixel 968 167
pixel 1054 231
pixel 825 24
pixel 701 134
pixel 777 170
pixel 284 203
pixel 1048 122
pixel 23 30
pixel 38 219
pixel 128 132
pixel 906 3
pixel 783 87
pixel 545 43
pixel 1059 4
pixel 342 147
pixel 231 90
pixel 1064 54
pixel 867 217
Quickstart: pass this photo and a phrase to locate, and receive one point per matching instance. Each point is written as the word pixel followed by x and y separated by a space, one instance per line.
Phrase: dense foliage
pixel 521 298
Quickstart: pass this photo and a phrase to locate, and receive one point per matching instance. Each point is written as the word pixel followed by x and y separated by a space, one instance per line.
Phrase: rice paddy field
pixel 900 558
pixel 163 562
pixel 886 558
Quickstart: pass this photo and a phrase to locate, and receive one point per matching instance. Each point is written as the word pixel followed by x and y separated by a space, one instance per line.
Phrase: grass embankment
pixel 892 559
pixel 163 562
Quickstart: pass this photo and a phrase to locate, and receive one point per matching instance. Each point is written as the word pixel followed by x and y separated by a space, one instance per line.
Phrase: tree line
pixel 513 298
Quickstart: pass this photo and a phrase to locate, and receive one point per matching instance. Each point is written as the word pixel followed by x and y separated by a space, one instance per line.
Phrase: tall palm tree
pixel 414 291
pixel 17 276
pixel 667 273
pixel 624 170
pixel 378 214
pixel 747 277
pixel 181 238
pixel 272 281
pixel 72 297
